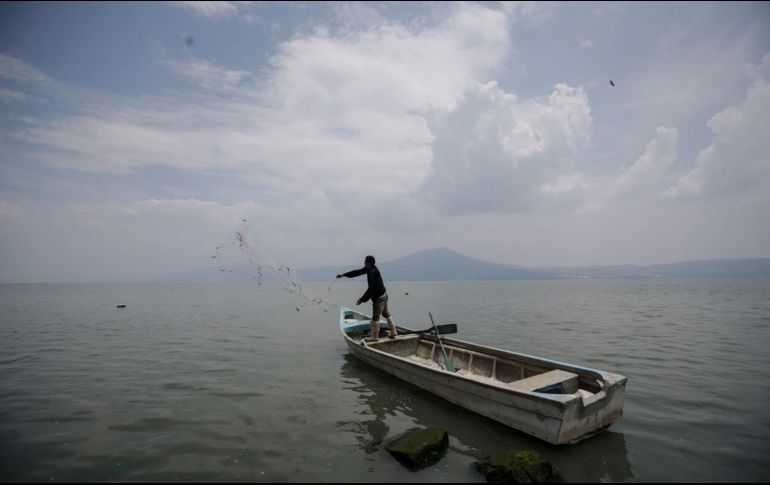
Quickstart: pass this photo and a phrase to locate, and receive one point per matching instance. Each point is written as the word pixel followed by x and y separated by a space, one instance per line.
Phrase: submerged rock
pixel 420 447
pixel 516 466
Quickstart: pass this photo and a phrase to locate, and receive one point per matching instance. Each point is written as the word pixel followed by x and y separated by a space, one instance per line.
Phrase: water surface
pixel 230 382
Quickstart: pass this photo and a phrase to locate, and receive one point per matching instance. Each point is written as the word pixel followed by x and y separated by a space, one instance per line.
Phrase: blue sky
pixel 135 137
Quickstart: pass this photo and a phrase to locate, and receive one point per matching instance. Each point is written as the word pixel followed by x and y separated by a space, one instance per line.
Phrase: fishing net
pixel 240 255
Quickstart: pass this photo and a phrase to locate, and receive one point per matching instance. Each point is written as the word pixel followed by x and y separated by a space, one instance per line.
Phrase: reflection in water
pixel 600 458
pixel 603 457
pixel 378 397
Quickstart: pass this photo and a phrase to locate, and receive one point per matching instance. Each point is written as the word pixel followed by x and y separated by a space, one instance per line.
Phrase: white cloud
pixel 529 14
pixel 658 156
pixel 348 125
pixel 761 70
pixel 643 178
pixel 208 75
pixel 110 144
pixel 491 152
pixel 25 82
pixel 684 81
pixel 390 68
pixel 738 158
pixel 212 10
pixel 331 111
pixel 358 15
pixel 17 70
pixel 335 127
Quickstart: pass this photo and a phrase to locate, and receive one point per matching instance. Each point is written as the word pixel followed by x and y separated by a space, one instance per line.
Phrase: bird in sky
pixel 611 83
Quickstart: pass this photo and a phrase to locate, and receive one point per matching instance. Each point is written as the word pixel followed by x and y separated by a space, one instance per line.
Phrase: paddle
pixel 442 329
pixel 447 363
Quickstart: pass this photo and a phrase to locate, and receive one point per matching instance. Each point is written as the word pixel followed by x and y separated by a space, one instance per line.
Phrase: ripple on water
pixel 224 395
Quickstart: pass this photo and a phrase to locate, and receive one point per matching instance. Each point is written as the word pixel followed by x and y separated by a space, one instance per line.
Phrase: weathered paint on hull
pixel 557 419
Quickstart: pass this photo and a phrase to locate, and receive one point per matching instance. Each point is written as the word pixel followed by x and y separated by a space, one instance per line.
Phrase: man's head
pixel 369 262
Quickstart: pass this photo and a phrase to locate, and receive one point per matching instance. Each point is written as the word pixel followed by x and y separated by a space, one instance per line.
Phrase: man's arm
pixel 353 274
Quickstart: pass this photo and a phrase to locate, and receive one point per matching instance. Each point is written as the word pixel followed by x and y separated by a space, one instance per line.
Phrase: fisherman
pixel 376 292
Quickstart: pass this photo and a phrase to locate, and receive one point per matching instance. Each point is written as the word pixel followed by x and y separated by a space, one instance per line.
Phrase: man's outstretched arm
pixel 352 274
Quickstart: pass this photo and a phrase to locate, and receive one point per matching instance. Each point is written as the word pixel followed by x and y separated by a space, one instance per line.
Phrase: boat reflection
pixel 390 402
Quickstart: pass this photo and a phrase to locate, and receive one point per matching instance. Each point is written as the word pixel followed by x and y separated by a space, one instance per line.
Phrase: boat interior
pixel 484 365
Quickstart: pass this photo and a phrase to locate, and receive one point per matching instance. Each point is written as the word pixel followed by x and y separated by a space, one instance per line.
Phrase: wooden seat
pixel 557 380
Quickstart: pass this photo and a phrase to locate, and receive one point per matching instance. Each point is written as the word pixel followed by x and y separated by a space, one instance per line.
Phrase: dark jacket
pixel 376 286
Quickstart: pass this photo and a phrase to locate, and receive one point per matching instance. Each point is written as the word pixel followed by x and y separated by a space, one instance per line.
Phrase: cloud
pixel 493 150
pixel 212 10
pixel 14 69
pixel 390 68
pixel 333 130
pixel 208 75
pixel 108 144
pixel 761 70
pixel 330 110
pixel 738 158
pixel 357 15
pixel 12 96
pixel 25 82
pixel 658 156
pixel 643 178
pixel 383 128
pixel 529 14
pixel 685 81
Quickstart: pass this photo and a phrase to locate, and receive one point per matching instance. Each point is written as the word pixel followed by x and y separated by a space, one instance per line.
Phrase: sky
pixel 136 137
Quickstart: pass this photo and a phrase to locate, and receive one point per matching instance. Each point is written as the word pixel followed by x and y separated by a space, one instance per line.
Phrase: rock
pixel 420 447
pixel 516 466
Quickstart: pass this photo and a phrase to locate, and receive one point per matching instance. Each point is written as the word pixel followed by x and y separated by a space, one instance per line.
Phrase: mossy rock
pixel 516 466
pixel 420 447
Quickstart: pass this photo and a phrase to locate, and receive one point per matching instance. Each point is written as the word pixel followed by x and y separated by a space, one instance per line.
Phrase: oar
pixel 447 363
pixel 442 329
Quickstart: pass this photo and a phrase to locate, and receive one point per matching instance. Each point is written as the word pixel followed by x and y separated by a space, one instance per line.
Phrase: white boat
pixel 556 402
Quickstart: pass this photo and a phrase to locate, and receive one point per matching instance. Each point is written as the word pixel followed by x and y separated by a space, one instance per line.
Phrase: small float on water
pixel 556 402
pixel 121 306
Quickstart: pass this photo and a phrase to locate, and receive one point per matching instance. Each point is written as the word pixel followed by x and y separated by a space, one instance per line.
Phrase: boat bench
pixel 555 381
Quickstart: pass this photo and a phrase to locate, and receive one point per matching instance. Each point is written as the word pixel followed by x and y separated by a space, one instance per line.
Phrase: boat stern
pixel 595 412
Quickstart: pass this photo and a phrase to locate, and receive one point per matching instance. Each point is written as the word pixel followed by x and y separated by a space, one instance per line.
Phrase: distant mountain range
pixel 443 264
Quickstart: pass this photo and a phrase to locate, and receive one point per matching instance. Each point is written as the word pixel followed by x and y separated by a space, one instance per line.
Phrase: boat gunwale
pixel 559 407
pixel 609 379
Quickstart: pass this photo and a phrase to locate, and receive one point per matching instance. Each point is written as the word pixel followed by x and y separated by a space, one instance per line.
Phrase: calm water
pixel 231 382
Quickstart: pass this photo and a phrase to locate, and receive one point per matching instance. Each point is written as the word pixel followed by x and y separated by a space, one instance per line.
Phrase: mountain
pixel 443 264
pixel 690 269
pixel 440 264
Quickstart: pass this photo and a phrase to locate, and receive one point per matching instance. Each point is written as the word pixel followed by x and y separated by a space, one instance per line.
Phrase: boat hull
pixel 556 418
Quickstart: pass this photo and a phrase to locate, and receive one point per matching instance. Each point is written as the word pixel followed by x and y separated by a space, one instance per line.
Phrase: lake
pixel 239 382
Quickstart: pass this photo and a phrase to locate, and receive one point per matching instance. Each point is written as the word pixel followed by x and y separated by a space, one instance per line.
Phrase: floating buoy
pixel 121 306
pixel 407 293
